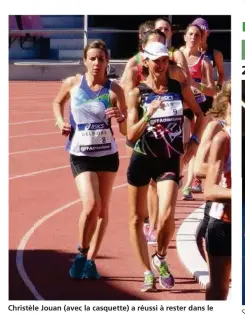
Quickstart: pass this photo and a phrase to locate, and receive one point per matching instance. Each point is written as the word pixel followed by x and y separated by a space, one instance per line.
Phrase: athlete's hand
pixel 64 127
pixel 114 112
pixel 154 105
pixel 190 151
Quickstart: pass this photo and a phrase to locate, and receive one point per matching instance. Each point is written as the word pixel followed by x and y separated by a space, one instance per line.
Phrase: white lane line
pixel 36 150
pixel 33 134
pixel 27 236
pixel 46 148
pixel 31 121
pixel 30 174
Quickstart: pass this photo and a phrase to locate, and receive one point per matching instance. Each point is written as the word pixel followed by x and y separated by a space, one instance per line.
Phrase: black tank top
pixel 163 136
pixel 210 55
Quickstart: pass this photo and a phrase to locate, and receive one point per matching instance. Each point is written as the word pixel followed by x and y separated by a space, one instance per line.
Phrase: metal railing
pixel 85 31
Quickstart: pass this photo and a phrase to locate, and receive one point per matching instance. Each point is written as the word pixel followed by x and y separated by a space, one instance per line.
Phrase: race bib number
pixel 94 137
pixel 171 107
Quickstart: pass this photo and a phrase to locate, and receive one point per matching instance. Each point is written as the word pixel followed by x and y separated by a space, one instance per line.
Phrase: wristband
pixel 194 138
pixel 202 87
pixel 146 117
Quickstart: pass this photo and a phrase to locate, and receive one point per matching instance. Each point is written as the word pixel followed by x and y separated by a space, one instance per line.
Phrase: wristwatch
pixel 195 138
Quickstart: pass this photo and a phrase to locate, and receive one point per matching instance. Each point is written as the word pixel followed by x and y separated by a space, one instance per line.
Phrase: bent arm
pixel 136 127
pixel 219 60
pixel 212 190
pixel 119 102
pixel 130 64
pixel 208 88
pixel 61 98
pixel 201 165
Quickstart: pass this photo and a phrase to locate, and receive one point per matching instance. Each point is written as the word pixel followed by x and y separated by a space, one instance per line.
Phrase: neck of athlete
pixel 191 51
pixel 95 80
pixel 157 82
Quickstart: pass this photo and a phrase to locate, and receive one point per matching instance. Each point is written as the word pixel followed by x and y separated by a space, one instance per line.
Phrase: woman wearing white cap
pixel 155 118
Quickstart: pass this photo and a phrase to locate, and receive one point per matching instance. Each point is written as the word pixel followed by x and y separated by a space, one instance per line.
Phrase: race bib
pixel 200 98
pixel 94 137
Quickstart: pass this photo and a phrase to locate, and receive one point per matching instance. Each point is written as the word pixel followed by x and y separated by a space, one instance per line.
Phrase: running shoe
pixel 90 270
pixel 77 267
pixel 152 237
pixel 149 284
pixel 197 186
pixel 187 195
pixel 166 279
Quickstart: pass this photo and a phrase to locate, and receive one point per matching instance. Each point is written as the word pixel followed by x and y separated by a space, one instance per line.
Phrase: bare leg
pixel 88 188
pixel 152 205
pixel 167 192
pixel 106 180
pixel 137 201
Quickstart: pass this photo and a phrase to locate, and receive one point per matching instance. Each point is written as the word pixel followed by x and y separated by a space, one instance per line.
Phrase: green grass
pixel 243 26
pixel 243 49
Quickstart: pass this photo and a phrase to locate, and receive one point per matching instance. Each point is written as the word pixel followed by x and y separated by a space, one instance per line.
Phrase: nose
pixel 96 61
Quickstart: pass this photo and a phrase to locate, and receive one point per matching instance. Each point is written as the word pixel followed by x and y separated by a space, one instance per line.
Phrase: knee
pixel 92 207
pixel 136 221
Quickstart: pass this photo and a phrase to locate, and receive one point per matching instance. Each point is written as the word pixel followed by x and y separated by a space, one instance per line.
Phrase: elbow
pixel 208 194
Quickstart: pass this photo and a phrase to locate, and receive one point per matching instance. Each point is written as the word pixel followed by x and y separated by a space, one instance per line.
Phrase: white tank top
pixel 92 134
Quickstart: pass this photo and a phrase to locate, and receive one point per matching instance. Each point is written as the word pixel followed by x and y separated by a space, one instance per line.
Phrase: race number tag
pixel 200 98
pixel 171 107
pixel 94 137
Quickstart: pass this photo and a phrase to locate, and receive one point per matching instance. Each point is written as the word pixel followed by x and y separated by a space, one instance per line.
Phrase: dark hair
pixel 146 26
pixel 165 19
pixel 194 25
pixel 144 39
pixel 99 44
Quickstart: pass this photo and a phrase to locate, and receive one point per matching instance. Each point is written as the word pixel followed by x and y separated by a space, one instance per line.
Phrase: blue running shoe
pixel 90 271
pixel 77 267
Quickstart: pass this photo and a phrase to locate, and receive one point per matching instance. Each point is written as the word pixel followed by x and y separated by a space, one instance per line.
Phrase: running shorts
pixel 143 168
pixel 80 164
pixel 218 238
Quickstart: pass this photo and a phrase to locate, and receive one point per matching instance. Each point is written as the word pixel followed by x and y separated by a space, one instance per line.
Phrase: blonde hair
pixel 221 101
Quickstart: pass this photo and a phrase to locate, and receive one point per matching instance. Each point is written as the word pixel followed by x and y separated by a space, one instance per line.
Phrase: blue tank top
pixel 91 130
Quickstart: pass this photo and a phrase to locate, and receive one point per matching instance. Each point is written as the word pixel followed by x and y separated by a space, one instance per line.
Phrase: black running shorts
pixel 218 238
pixel 80 164
pixel 143 168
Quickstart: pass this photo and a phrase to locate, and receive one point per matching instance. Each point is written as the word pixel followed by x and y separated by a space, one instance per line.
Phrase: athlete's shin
pixel 87 222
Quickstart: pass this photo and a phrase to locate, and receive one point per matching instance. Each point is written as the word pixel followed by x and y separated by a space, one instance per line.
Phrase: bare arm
pixel 212 190
pixel 219 60
pixel 137 127
pixel 130 64
pixel 209 88
pixel 59 104
pixel 188 97
pixel 181 62
pixel 120 109
pixel 201 165
pixel 130 81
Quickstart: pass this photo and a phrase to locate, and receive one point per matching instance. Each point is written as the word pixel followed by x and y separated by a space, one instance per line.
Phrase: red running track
pixel 44 210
